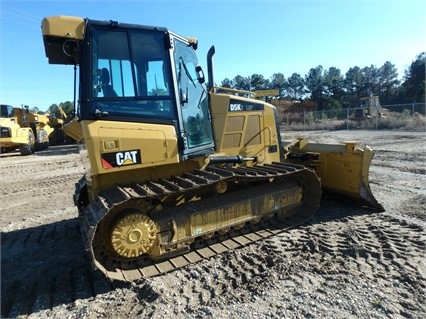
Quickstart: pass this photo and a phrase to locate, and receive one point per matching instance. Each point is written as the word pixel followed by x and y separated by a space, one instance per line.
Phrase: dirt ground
pixel 347 262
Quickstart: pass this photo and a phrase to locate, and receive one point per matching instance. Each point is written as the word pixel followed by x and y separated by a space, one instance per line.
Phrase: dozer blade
pixel 73 129
pixel 342 168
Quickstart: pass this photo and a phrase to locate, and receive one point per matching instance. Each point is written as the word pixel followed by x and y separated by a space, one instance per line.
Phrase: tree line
pixel 330 89
pixel 54 110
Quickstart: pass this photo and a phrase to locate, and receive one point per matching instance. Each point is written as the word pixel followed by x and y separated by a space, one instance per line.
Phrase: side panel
pixel 19 136
pixel 12 134
pixel 120 146
pixel 244 127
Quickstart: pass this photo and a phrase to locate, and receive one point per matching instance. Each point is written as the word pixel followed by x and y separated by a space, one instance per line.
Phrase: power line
pixel 21 13
pixel 20 16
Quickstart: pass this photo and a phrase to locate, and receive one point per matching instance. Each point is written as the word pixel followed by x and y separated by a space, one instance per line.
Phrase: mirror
pixel 200 74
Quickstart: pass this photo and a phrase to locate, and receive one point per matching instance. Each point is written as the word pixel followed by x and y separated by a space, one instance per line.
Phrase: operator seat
pixel 107 89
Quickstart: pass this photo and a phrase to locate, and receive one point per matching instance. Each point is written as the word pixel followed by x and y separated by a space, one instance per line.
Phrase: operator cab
pixel 6 111
pixel 135 73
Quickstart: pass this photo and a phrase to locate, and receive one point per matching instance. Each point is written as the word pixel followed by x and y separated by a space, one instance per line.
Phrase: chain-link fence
pixel 396 116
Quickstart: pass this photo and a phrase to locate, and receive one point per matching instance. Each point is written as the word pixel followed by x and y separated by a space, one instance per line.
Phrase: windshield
pixel 131 74
pixel 6 111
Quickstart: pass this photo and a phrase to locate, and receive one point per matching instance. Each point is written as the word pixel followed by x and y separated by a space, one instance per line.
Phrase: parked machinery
pixel 23 129
pixel 175 168
pixel 369 107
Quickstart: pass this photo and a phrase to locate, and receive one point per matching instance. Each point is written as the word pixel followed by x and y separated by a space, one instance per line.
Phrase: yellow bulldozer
pixel 176 171
pixel 369 107
pixel 23 130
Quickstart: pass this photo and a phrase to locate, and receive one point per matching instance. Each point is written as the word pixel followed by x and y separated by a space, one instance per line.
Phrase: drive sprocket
pixel 133 235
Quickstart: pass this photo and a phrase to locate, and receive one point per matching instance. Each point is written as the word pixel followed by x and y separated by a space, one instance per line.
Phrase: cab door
pixel 192 102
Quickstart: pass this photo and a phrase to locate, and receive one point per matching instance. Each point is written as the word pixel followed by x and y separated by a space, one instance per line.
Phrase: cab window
pixel 130 73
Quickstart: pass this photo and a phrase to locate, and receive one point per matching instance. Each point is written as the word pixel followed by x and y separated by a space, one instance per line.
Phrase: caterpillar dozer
pixel 369 108
pixel 176 170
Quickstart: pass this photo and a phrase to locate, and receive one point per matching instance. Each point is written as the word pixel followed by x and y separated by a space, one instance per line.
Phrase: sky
pixel 250 37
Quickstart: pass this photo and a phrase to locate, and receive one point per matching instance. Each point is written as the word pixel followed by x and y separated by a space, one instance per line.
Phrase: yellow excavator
pixel 176 171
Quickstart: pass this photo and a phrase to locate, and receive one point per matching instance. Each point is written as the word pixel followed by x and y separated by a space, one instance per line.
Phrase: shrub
pixel 322 121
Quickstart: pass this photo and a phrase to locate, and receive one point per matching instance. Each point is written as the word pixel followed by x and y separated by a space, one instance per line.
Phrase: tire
pixel 42 141
pixel 29 148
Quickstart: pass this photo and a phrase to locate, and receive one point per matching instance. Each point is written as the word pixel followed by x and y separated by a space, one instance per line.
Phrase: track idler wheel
pixel 133 235
pixel 221 187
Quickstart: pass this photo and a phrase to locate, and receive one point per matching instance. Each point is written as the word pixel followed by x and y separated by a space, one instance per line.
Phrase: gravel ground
pixel 347 262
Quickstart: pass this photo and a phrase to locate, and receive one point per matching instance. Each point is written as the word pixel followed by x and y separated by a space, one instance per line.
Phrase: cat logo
pixel 126 158
pixel 118 159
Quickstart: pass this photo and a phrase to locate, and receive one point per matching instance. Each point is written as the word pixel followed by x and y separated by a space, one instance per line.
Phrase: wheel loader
pixel 177 169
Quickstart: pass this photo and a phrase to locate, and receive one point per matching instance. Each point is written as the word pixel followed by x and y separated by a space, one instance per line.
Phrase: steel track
pixel 148 193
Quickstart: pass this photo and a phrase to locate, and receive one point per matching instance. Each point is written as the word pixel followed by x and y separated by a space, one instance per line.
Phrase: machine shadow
pixel 47 266
pixel 59 150
pixel 334 207
pixel 62 149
